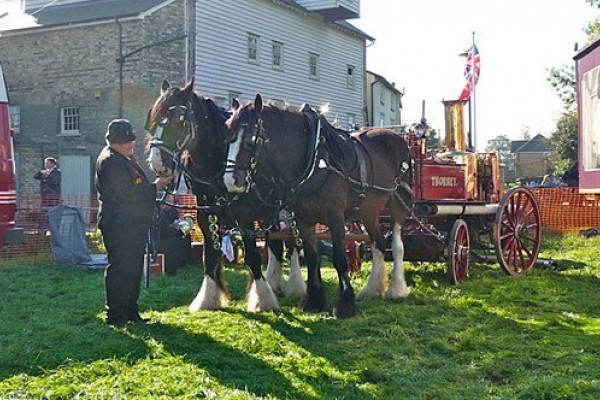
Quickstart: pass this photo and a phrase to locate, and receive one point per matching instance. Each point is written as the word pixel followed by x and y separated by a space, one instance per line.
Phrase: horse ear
pixel 165 86
pixel 258 103
pixel 235 104
pixel 189 87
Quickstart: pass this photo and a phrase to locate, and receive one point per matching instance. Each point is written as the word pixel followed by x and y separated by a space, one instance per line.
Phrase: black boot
pixel 134 316
pixel 116 318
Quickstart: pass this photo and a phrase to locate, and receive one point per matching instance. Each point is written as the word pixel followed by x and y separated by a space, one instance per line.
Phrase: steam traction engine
pixel 461 209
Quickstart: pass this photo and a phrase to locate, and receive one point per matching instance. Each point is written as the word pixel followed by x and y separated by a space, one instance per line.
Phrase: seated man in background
pixel 172 242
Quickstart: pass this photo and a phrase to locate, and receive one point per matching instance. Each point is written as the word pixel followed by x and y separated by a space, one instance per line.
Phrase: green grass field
pixel 493 337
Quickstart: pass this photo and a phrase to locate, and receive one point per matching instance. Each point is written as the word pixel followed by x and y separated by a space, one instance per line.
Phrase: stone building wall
pixel 76 66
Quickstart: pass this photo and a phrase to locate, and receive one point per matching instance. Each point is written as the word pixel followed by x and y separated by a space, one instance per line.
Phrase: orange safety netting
pixel 562 210
pixel 32 218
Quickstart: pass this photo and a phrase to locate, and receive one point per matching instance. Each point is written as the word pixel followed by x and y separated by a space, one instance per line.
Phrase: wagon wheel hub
pixel 462 253
pixel 518 229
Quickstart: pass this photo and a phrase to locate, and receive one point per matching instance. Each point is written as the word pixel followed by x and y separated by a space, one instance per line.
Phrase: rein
pixel 259 139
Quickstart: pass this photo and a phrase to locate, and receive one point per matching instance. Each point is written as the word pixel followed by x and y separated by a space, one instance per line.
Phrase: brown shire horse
pixel 186 130
pixel 325 176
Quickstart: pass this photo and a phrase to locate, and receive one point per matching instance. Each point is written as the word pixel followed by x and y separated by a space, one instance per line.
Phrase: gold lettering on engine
pixel 444 181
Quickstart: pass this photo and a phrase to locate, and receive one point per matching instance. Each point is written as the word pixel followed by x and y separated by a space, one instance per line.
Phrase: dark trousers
pixel 125 247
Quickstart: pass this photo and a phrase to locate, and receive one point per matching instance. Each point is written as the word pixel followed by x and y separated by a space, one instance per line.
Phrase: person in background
pixel 547 181
pixel 49 178
pixel 127 200
pixel 571 176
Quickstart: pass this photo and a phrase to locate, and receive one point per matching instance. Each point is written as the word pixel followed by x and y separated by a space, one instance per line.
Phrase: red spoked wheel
pixel 458 252
pixel 518 231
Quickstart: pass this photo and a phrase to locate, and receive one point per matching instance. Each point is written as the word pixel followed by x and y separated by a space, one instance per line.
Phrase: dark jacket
pixel 50 184
pixel 125 195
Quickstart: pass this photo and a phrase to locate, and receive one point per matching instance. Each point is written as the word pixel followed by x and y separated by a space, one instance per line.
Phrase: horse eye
pixel 163 120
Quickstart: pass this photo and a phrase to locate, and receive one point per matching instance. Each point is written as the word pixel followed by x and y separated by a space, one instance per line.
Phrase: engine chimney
pixel 455 128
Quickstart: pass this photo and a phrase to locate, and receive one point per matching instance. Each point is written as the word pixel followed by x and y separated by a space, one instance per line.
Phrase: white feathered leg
pixel 376 284
pixel 295 286
pixel 209 297
pixel 397 288
pixel 261 297
pixel 274 274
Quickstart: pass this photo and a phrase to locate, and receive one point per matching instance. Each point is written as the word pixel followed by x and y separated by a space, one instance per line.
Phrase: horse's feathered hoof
pixel 309 304
pixel 344 311
pixel 314 301
pixel 367 294
pixel 261 297
pixel 346 306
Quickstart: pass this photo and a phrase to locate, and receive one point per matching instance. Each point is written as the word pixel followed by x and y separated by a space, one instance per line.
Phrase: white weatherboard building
pixel 289 51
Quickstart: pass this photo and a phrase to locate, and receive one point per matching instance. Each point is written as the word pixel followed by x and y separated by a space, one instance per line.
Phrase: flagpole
pixel 473 94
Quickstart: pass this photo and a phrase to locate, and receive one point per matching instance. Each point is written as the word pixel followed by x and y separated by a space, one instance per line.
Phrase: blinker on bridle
pixel 184 116
pixel 253 141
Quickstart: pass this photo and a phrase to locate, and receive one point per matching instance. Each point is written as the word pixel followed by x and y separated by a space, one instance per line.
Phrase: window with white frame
pixel 350 77
pixel 253 47
pixel 69 121
pixel 313 65
pixel 277 55
pixel 351 121
pixel 14 114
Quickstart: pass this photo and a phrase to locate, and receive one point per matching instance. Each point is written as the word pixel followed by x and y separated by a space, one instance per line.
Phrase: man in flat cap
pixel 126 203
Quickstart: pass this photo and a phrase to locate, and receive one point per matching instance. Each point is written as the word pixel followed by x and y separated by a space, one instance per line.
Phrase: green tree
pixel 562 80
pixel 501 145
pixel 564 141
pixel 433 141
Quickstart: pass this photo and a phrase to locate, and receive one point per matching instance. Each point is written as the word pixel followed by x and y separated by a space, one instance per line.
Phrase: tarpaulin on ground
pixel 67 236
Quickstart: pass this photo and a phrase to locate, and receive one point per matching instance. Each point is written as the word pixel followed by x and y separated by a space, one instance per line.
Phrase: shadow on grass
pixel 542 313
pixel 230 368
pixel 51 317
pixel 58 322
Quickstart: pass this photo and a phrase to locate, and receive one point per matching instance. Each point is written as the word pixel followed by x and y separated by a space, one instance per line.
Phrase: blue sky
pixel 418 42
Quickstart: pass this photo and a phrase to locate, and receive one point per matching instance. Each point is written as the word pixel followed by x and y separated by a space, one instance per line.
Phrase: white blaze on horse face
pixel 232 153
pixel 155 161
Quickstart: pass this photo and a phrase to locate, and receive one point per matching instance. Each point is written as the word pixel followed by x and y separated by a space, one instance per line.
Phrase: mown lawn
pixel 493 337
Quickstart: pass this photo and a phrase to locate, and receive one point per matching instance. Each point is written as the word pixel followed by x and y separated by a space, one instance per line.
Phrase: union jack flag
pixel 473 65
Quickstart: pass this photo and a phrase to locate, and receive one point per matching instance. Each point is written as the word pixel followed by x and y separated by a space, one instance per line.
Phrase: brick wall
pixel 31 161
pixel 531 164
pixel 47 69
